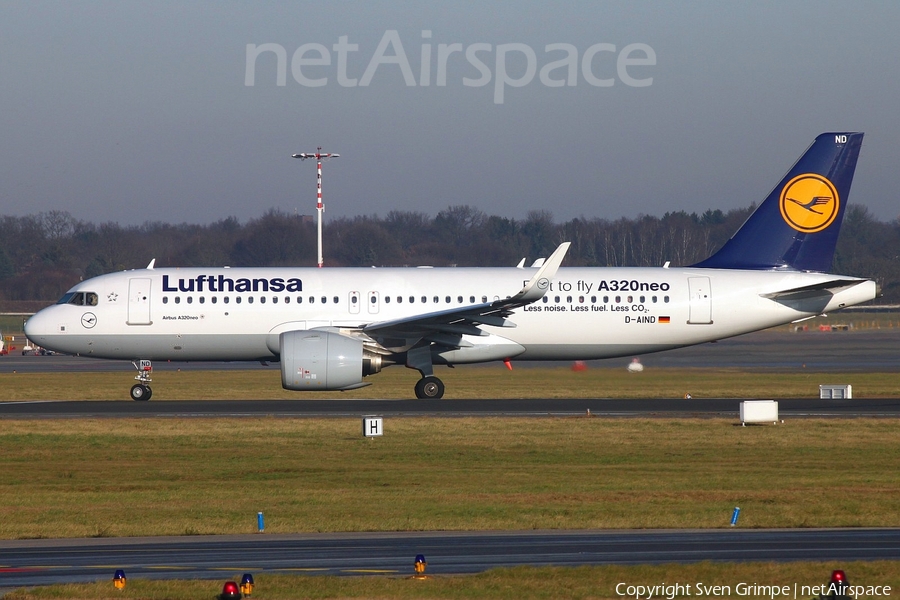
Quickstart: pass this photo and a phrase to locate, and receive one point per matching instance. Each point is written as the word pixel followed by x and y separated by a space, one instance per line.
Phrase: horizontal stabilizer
pixel 835 285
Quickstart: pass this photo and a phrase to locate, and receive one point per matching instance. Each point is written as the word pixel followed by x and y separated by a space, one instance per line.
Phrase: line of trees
pixel 42 255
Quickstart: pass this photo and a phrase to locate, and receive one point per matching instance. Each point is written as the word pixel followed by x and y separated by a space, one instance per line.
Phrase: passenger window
pixel 177 299
pixel 202 299
pixel 630 299
pixel 569 299
pixel 250 300
pixel 593 299
pixel 262 299
pixel 214 299
pixel 412 299
pixel 399 299
pixel 471 299
pixel 436 300
pixel 324 300
pixel 312 299
pixel 165 299
pixel 287 299
pixel 618 299
pixel 225 300
pixel 654 299
pixel 190 299
pixel 643 299
pixel 556 299
pixel 484 299
pixel 605 299
pixel 387 299
pixel 447 299
pixel 665 299
pixel 424 299
pixel 237 299
pixel 459 299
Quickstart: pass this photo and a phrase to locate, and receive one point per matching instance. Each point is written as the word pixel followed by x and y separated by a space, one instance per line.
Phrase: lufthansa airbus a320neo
pixel 332 328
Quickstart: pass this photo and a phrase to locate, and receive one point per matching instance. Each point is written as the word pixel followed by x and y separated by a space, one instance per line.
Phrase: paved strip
pixel 609 407
pixel 40 562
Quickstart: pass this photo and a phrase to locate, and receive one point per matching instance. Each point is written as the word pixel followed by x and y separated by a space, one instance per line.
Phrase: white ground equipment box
pixel 759 411
pixel 831 392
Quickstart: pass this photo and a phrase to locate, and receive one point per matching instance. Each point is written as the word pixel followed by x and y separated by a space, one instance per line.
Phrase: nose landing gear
pixel 141 390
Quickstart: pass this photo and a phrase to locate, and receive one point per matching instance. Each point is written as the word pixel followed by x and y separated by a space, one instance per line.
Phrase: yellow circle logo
pixel 809 203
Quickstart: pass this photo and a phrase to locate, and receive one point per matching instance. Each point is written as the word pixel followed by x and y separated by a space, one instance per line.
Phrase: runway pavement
pixel 40 562
pixel 532 407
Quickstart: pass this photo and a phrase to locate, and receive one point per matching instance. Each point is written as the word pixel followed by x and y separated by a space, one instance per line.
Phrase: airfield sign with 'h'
pixel 373 426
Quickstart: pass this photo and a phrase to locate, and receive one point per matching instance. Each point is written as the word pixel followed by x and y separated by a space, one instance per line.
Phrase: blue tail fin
pixel 798 224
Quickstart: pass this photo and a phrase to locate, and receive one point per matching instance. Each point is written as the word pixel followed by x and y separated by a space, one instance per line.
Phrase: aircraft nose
pixel 39 325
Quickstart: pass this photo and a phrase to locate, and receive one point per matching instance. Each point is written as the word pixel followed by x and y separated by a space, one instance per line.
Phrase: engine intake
pixel 322 360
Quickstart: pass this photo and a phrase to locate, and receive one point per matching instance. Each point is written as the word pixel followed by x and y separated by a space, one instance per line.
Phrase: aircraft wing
pixel 447 326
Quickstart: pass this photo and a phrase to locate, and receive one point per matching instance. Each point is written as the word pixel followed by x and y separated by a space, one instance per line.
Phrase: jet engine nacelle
pixel 322 360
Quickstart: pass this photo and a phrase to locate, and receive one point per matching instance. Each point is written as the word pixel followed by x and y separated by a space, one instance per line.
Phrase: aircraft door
pixel 354 302
pixel 701 301
pixel 373 302
pixel 139 301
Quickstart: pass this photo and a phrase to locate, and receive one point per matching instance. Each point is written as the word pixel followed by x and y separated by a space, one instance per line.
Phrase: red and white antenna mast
pixel 320 207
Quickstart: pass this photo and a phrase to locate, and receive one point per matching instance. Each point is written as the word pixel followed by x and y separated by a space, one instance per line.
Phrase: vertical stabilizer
pixel 797 226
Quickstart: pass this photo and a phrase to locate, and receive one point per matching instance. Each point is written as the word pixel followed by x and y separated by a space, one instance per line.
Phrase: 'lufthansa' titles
pixel 220 283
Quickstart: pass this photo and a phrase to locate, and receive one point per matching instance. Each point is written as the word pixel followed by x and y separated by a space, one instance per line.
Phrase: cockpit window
pixel 79 299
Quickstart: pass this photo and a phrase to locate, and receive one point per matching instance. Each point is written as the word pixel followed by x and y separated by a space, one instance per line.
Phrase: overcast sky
pixel 172 111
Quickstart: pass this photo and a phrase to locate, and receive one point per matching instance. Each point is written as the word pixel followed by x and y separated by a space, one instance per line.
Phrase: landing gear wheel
pixel 429 388
pixel 140 392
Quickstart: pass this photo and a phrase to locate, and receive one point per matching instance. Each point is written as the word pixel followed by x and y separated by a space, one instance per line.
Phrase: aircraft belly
pixel 588 351
pixel 211 347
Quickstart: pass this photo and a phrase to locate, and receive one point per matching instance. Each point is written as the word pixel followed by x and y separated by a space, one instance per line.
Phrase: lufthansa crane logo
pixel 809 203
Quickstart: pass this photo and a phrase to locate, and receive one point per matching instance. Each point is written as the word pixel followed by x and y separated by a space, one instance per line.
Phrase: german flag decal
pixel 664 319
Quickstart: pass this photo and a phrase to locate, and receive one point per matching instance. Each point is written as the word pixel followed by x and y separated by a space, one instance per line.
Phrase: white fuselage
pixel 237 314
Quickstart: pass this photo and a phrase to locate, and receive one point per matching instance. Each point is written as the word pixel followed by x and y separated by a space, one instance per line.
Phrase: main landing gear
pixel 429 387
pixel 141 390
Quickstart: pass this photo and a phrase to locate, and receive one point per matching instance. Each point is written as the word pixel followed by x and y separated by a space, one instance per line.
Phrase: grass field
pixel 549 582
pixel 471 382
pixel 103 478
pixel 85 478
